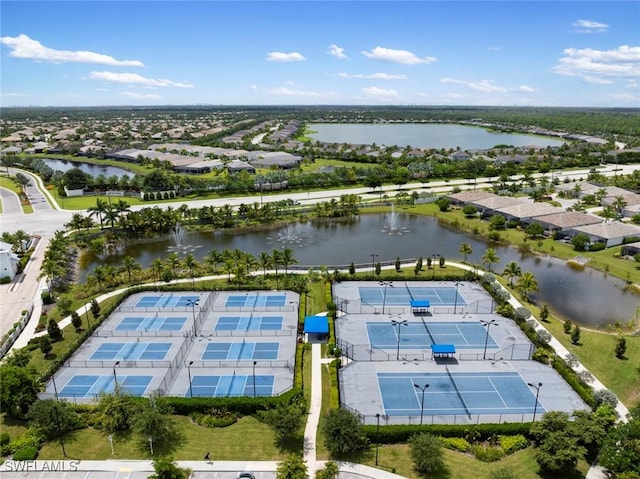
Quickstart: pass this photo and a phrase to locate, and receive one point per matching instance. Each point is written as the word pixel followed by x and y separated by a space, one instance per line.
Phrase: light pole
pixel 86 312
pixel 488 324
pixel 377 435
pixel 373 262
pixel 455 303
pixel 55 410
pixel 433 264
pixel 193 303
pixel 150 439
pixel 398 323
pixel 254 378
pixel 384 295
pixel 110 437
pixel 189 372
pixel 422 389
pixel 55 388
pixel 115 378
pixel 535 406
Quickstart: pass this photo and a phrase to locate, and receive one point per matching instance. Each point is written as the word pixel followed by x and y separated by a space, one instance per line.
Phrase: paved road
pixel 10 201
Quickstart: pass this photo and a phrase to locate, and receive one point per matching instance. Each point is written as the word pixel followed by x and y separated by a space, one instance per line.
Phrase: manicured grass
pixel 248 439
pixel 460 465
pixel 13 427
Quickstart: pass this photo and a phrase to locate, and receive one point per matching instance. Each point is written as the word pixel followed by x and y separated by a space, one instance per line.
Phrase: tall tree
pixel 527 284
pixel 512 270
pixel 20 388
pixel 465 250
pixel 489 257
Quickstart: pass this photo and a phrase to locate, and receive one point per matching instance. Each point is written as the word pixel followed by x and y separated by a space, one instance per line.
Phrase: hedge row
pixel 241 405
pixel 576 382
pixel 334 399
pixel 401 433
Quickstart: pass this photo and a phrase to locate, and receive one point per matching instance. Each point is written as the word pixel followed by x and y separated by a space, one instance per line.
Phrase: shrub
pixel 487 454
pixel 543 336
pixel 511 444
pixel 456 443
pixel 4 439
pixel 604 396
pixel 26 440
pixel 522 313
pixel 25 454
pixel 596 247
pixel 566 326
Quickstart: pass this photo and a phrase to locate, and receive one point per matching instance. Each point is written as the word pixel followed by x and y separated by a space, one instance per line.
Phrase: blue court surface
pixel 241 351
pixel 152 323
pixel 403 295
pixel 87 386
pixel 421 335
pixel 236 385
pixel 248 323
pixel 166 301
pixel 256 300
pixel 131 351
pixel 456 394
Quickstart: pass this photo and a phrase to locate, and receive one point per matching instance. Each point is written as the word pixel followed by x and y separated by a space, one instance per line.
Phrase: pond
pixel 424 135
pixel 585 296
pixel 89 168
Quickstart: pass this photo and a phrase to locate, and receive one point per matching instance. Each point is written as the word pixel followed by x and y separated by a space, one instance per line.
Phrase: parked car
pixel 246 475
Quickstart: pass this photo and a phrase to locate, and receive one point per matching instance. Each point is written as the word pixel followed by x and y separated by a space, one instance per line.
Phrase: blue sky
pixel 85 53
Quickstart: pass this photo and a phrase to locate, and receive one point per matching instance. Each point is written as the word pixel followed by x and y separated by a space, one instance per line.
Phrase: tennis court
pixel 401 295
pixel 151 323
pixel 421 335
pixel 234 385
pixel 88 386
pixel 256 300
pixel 241 351
pixel 249 323
pixel 131 351
pixel 166 301
pixel 456 394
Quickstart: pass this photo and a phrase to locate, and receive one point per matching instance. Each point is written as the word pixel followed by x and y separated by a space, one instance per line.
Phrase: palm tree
pixel 275 262
pixel 190 262
pixel 214 258
pixel 156 268
pixel 173 261
pixel 619 204
pixel 511 271
pixel 99 277
pixel 130 266
pixel 489 257
pixel 99 209
pixel 264 261
pixel 287 259
pixel 465 250
pixel 527 284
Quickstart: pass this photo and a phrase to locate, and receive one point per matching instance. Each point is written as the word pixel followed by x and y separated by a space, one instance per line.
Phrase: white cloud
pixel 13 95
pixel 593 65
pixel 286 91
pixel 141 96
pixel 598 80
pixel 254 87
pixel 284 57
pixel 135 79
pixel 397 56
pixel 588 26
pixel 373 76
pixel 24 47
pixel 381 93
pixel 493 49
pixel 487 86
pixel 336 51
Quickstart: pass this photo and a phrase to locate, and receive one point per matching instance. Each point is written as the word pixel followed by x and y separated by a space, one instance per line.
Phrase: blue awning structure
pixel 420 303
pixel 443 350
pixel 316 325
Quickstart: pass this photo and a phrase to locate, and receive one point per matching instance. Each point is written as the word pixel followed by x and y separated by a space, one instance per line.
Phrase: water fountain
pixel 179 246
pixel 289 236
pixel 392 227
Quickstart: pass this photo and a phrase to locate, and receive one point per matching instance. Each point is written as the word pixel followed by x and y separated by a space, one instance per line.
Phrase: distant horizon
pixel 529 53
pixel 327 106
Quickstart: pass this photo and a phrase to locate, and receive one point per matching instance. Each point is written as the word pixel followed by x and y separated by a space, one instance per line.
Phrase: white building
pixel 8 261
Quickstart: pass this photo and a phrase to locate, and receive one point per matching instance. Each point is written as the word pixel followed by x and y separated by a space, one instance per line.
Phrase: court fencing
pixel 481 306
pixel 112 333
pixel 242 364
pixel 445 419
pixel 247 309
pixel 226 333
pixel 364 352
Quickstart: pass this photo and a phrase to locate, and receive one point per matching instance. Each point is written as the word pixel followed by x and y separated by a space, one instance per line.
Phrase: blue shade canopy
pixel 316 325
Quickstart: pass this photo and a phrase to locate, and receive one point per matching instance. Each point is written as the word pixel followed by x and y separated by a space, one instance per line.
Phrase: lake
pixel 584 296
pixel 89 168
pixel 423 136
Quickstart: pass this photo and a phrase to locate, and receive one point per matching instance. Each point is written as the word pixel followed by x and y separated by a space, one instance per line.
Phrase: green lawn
pixel 460 465
pixel 248 439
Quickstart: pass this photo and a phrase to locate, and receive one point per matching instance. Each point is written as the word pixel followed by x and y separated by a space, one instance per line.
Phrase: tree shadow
pixel 293 445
